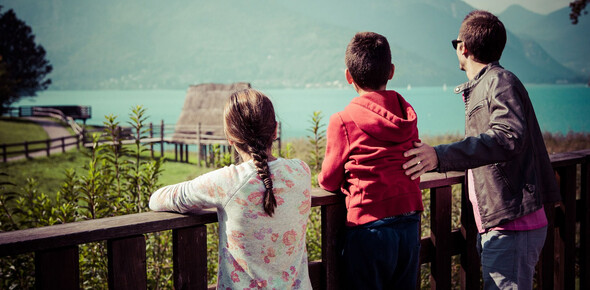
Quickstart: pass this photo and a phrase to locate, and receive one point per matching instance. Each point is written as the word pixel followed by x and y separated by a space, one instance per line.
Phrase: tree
pixel 578 7
pixel 23 67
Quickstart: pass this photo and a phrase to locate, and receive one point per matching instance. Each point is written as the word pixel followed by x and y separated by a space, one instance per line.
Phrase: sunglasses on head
pixel 455 42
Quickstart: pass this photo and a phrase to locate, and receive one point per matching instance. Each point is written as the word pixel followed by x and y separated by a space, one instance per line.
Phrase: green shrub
pixel 116 180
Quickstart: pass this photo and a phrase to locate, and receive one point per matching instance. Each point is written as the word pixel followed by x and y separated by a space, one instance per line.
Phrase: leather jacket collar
pixel 466 87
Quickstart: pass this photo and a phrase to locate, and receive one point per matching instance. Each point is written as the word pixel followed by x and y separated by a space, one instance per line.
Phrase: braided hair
pixel 249 121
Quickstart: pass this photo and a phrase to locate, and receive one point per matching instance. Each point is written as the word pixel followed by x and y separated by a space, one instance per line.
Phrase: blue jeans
pixel 508 258
pixel 382 254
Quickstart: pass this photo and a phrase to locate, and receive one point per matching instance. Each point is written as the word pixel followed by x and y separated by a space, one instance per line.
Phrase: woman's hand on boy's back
pixel 425 159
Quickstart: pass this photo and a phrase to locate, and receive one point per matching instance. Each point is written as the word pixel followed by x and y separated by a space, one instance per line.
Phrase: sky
pixel 538 6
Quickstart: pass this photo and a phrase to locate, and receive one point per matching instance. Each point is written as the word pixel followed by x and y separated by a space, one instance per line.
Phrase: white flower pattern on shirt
pixel 256 251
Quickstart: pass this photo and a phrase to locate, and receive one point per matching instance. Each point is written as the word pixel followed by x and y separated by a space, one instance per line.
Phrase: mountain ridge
pixel 269 43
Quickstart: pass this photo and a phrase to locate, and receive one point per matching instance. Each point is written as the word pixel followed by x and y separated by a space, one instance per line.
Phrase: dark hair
pixel 484 35
pixel 249 121
pixel 368 59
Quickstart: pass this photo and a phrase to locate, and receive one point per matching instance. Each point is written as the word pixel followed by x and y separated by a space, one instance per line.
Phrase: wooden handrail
pixel 126 243
pixel 70 234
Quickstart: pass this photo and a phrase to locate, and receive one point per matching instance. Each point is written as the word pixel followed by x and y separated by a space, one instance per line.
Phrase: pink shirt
pixel 528 222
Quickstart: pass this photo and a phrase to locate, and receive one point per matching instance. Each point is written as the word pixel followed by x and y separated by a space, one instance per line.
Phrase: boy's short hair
pixel 368 59
pixel 484 35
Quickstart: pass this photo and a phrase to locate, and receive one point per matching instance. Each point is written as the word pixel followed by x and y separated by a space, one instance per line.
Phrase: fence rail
pixel 75 112
pixel 56 247
pixel 50 144
pixel 182 137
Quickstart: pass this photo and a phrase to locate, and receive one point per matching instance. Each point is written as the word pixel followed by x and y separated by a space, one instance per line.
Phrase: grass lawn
pixel 50 171
pixel 15 130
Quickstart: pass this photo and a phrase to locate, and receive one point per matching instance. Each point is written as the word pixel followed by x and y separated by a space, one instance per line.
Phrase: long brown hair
pixel 249 121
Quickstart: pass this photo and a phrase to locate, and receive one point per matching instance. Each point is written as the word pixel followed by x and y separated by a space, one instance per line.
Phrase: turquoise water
pixel 559 108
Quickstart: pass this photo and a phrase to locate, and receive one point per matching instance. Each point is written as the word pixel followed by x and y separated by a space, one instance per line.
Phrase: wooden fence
pixel 75 112
pixel 565 257
pixel 182 138
pixel 48 146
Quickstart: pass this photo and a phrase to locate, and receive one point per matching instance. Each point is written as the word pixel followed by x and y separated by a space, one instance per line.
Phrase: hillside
pixel 270 43
pixel 568 44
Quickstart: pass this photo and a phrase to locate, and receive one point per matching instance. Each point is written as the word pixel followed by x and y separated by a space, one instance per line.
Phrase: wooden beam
pixel 57 268
pixel 127 263
pixel 190 257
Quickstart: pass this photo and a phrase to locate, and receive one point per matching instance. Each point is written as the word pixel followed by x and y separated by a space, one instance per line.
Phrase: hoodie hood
pixel 385 116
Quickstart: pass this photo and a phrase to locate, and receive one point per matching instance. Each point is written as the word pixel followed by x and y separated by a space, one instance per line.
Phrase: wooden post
pixel 199 146
pixel 127 263
pixel 181 152
pixel 333 222
pixel 4 154
pixel 175 151
pixel 280 132
pixel 186 152
pixel 470 263
pixel 584 226
pixel 63 144
pixel 189 248
pixel 567 233
pixel 151 136
pixel 162 139
pixel 57 268
pixel 48 146
pixel 440 222
pixel 26 149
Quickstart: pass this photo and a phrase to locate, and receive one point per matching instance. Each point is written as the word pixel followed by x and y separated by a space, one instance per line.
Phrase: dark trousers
pixel 382 254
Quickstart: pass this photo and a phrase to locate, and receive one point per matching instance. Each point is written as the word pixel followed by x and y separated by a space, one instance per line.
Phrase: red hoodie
pixel 364 157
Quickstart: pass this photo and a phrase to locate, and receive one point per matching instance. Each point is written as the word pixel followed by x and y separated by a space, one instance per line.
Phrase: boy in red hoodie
pixel 364 157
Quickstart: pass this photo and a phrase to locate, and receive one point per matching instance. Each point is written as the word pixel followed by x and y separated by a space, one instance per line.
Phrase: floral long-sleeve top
pixel 255 250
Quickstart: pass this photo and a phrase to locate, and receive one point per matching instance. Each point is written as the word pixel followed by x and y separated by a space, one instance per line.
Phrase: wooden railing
pixel 75 112
pixel 201 138
pixel 565 257
pixel 46 146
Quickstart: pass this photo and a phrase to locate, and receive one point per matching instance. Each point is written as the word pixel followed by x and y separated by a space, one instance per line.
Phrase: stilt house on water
pixel 201 120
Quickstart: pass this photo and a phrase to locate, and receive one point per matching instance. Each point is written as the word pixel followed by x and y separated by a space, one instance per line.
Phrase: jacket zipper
pixel 476 108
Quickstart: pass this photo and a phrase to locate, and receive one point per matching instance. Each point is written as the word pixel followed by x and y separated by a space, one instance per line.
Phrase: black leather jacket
pixel 504 146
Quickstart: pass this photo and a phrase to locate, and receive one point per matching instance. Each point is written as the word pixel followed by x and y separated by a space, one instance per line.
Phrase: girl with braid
pixel 262 204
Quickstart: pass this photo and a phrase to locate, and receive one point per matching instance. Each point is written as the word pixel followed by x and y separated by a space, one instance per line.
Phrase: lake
pixel 559 108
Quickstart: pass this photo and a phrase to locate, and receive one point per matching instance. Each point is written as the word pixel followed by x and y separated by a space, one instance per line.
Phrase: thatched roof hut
pixel 204 105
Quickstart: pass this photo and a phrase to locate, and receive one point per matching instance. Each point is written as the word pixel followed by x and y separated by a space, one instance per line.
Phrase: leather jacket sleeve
pixel 496 127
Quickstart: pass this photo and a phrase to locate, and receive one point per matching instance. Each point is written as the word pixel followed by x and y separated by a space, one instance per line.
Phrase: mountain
pixel 567 43
pixel 518 19
pixel 152 44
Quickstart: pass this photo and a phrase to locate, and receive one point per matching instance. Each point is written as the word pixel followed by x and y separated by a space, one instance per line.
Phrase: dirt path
pixel 54 130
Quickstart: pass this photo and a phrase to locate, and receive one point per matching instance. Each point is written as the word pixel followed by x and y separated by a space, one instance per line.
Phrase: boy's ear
pixel 392 71
pixel 349 78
